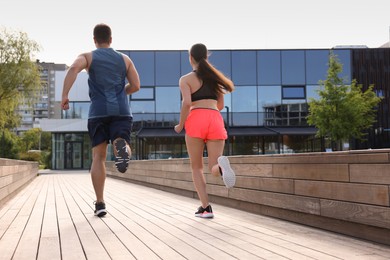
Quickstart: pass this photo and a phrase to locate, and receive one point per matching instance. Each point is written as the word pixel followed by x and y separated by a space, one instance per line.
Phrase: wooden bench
pixel 345 192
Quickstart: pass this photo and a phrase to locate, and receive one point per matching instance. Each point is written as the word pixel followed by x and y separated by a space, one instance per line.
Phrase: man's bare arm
pixel 132 77
pixel 78 65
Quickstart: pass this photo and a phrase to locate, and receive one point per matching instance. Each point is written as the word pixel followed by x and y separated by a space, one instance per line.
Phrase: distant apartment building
pixel 44 106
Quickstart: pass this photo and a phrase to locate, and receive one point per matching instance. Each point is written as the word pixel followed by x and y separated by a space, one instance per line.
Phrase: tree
pixel 30 139
pixel 19 75
pixel 343 111
pixel 9 144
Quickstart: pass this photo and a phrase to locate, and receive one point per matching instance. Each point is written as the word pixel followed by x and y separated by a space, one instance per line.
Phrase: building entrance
pixel 73 155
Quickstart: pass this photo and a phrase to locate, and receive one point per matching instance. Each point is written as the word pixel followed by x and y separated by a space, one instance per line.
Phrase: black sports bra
pixel 204 92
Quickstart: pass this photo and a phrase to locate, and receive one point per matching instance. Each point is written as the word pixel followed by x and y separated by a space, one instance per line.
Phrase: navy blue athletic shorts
pixel 106 129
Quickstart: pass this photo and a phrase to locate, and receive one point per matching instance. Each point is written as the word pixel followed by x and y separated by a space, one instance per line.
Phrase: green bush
pixel 34 156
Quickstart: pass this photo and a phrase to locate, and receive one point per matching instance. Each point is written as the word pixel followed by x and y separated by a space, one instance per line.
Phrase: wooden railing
pixel 345 192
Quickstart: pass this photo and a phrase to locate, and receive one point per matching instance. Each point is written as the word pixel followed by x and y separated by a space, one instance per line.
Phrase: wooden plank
pixel 91 244
pixel 10 240
pixel 279 200
pixel 266 184
pixel 70 243
pixel 30 239
pixel 323 172
pixel 370 173
pixel 49 246
pixel 360 213
pixel 352 192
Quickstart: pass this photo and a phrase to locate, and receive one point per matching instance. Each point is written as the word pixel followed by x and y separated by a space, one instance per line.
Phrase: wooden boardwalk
pixel 52 218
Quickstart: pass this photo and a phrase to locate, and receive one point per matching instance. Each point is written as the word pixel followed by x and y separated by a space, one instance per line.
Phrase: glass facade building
pixel 265 114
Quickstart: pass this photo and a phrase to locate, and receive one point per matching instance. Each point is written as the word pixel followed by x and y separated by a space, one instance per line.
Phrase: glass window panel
pixel 244 119
pixel 244 99
pixel 271 145
pixel 246 145
pixel 81 110
pixel 144 63
pixel 344 57
pixel 244 67
pixel 142 106
pixel 222 61
pixel 185 63
pixel 268 70
pixel 312 92
pixel 227 101
pixel 145 93
pixel 167 68
pixel 269 96
pixel 168 99
pixel 316 65
pixel 293 92
pixel 294 112
pixel 138 118
pixel 167 119
pixel 293 67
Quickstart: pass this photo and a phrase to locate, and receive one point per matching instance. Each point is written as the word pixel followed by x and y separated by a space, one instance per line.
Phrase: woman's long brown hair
pixel 207 72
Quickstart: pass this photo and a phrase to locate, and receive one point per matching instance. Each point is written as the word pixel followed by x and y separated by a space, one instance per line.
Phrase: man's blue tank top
pixel 107 75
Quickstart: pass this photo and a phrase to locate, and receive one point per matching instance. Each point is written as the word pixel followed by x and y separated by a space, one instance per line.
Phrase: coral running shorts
pixel 206 124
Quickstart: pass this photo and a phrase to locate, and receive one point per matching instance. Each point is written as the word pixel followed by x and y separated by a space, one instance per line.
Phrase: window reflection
pixel 293 67
pixel 344 57
pixel 167 67
pixel 222 61
pixel 145 93
pixel 268 70
pixel 244 99
pixel 185 63
pixel 78 110
pixel 142 106
pixel 316 65
pixel 312 92
pixel 269 96
pixel 244 67
pixel 168 99
pixel 144 62
pixel 293 92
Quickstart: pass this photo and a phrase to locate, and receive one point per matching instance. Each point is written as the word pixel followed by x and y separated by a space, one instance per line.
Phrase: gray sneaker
pixel 123 156
pixel 100 209
pixel 228 175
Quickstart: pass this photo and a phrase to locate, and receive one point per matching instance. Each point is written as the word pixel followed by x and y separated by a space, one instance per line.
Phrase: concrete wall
pixel 345 192
pixel 14 175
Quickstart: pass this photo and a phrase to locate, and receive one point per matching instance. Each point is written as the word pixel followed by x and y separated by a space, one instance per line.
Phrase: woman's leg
pixel 215 150
pixel 218 164
pixel 195 147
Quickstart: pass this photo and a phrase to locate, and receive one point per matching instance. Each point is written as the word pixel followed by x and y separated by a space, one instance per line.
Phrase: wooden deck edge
pixel 357 230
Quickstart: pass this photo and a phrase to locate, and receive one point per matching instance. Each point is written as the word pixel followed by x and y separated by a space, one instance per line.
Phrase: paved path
pixel 52 218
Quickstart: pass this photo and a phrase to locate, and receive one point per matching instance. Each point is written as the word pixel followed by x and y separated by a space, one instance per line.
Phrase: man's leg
pixel 98 170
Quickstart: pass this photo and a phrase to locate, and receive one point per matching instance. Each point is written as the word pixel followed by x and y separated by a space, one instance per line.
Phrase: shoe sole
pixel 228 175
pixel 101 213
pixel 205 215
pixel 123 158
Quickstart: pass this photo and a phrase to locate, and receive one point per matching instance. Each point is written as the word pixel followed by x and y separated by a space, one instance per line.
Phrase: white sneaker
pixel 228 176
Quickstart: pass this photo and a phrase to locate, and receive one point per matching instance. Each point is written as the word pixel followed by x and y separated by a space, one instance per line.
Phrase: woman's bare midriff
pixel 205 103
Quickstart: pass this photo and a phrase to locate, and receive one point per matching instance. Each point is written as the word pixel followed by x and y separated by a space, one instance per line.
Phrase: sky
pixel 64 29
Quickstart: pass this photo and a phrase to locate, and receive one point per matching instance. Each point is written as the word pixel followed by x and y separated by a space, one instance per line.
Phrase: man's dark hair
pixel 102 33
